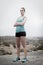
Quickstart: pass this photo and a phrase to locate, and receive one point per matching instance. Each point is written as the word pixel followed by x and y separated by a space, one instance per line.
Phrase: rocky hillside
pixel 8 45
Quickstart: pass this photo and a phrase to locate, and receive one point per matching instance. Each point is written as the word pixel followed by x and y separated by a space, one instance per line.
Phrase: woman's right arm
pixel 20 23
pixel 15 25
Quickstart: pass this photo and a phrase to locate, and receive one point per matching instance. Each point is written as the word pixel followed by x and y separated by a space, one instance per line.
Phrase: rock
pixel 6 50
pixel 6 43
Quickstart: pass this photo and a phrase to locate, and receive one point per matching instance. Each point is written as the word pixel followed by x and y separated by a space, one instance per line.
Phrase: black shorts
pixel 20 34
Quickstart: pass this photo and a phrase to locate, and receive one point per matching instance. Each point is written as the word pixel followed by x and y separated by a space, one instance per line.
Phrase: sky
pixel 10 10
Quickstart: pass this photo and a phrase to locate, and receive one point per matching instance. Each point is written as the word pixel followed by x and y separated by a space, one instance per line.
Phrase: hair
pixel 23 8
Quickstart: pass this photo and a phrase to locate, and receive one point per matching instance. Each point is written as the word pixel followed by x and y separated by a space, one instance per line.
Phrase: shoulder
pixel 25 17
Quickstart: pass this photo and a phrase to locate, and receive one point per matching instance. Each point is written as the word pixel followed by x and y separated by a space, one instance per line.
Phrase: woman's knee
pixel 23 41
pixel 18 42
pixel 18 45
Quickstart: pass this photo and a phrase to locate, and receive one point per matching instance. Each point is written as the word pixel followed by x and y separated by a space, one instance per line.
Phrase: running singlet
pixel 20 28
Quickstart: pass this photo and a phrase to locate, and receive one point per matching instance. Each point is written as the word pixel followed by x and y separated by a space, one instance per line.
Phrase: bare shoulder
pixel 25 17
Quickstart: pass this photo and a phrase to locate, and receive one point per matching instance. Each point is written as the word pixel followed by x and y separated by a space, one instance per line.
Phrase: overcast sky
pixel 10 10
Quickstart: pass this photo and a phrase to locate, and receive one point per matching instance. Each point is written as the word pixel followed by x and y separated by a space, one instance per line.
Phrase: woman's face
pixel 22 12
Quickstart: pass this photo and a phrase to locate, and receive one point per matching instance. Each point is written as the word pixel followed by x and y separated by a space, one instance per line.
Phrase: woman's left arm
pixel 21 23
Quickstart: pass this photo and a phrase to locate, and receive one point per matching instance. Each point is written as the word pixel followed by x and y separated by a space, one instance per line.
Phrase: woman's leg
pixel 23 41
pixel 18 46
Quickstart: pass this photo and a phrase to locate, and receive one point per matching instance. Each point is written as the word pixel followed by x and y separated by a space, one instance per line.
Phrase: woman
pixel 21 34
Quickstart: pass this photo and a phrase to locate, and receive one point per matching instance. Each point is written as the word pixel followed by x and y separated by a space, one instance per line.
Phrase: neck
pixel 22 15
